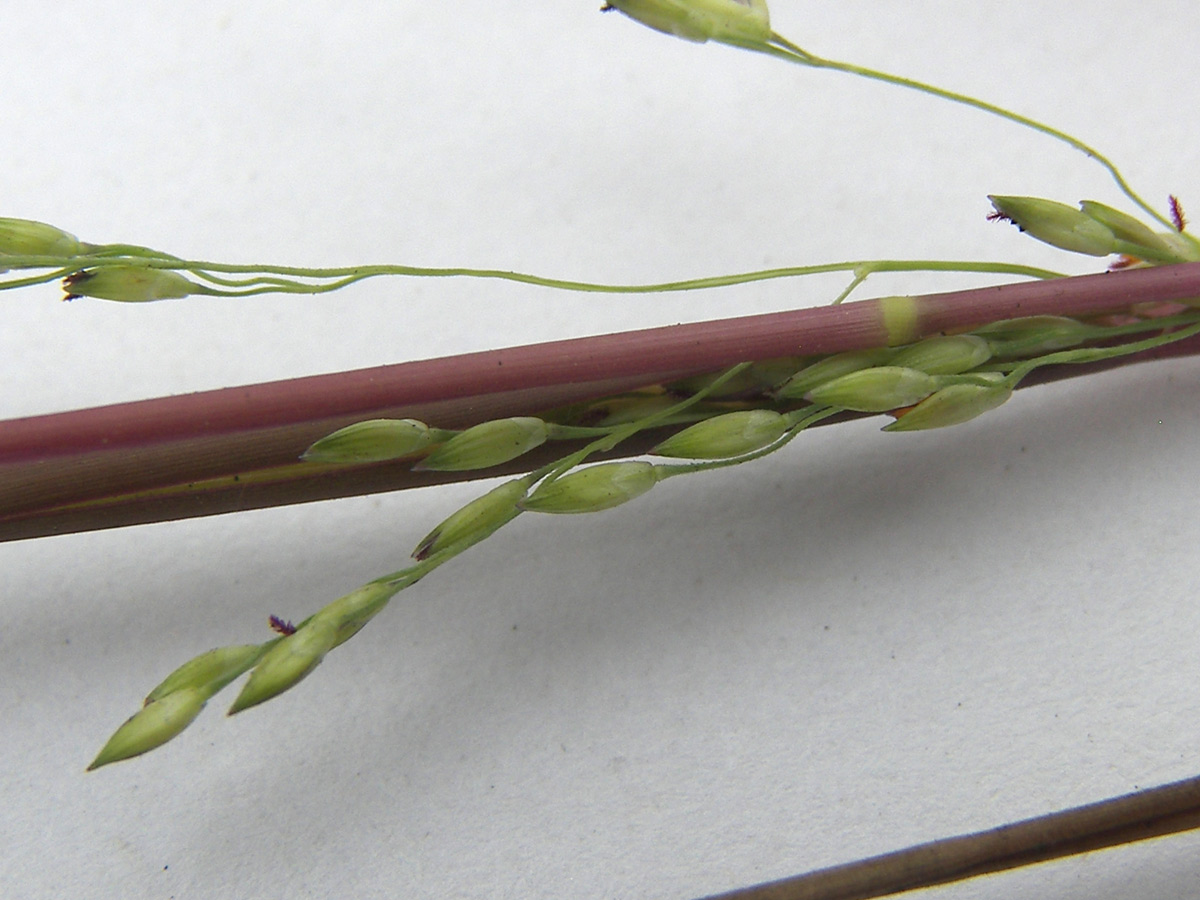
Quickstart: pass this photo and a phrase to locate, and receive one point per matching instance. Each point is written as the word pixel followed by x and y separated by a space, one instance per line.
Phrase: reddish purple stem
pixel 141 461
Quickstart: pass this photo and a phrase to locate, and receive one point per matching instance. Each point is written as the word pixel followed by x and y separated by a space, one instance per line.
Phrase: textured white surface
pixel 863 642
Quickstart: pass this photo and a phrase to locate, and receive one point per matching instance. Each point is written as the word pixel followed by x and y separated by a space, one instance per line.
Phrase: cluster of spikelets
pixel 741 415
pixel 936 382
pixel 748 412
pixel 914 381
pixel 1096 229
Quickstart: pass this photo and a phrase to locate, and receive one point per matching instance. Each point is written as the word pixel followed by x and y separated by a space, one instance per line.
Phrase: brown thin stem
pixel 237 448
pixel 1155 812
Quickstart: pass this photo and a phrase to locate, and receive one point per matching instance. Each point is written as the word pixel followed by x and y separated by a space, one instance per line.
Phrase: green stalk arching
pixel 784 49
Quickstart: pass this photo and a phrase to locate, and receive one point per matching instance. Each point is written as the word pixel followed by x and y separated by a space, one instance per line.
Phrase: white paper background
pixel 863 642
